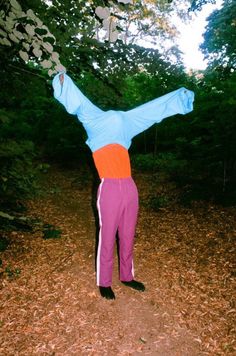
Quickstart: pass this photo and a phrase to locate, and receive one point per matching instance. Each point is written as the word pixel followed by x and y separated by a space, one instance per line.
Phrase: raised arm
pixel 74 101
pixel 141 118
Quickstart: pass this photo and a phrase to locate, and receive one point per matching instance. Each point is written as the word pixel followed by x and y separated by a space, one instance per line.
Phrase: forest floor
pixel 50 304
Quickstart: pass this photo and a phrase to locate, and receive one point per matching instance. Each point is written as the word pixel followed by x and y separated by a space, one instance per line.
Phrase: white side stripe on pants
pixel 100 232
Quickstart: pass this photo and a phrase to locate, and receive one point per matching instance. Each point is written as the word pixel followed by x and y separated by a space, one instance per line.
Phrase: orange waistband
pixel 112 161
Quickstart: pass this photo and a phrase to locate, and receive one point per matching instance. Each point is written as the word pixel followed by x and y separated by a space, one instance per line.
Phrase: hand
pixel 61 77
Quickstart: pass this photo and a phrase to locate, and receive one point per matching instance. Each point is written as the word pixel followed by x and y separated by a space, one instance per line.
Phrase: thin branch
pixel 27 71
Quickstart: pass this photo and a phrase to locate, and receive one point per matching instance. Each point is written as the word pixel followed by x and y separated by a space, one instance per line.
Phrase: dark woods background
pixel 197 152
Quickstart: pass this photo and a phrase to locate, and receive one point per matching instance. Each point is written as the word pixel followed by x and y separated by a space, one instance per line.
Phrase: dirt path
pixel 184 258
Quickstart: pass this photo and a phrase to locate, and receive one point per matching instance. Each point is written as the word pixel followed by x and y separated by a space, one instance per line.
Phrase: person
pixel 110 135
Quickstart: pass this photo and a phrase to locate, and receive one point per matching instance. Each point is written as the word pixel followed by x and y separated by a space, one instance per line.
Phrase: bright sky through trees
pixel 191 37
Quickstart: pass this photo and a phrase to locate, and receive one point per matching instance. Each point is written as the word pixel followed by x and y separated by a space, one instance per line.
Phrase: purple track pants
pixel 117 204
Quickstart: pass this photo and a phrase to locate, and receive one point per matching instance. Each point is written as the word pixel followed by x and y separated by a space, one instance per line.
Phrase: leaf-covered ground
pixel 50 304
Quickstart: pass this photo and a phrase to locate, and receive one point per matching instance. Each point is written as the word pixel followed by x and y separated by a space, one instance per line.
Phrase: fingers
pixel 61 77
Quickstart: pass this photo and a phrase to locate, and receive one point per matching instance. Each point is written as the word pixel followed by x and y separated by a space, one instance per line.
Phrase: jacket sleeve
pixel 141 118
pixel 74 101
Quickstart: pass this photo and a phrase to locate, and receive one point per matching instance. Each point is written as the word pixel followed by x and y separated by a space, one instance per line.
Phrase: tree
pixel 219 44
pixel 76 28
pixel 30 37
pixel 198 4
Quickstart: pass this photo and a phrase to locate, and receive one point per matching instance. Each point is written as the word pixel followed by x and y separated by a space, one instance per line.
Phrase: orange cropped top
pixel 112 161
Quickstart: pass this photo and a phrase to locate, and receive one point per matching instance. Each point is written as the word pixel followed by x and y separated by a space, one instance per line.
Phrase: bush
pixel 156 203
pixel 144 162
pixel 17 175
pixel 3 244
pixel 163 162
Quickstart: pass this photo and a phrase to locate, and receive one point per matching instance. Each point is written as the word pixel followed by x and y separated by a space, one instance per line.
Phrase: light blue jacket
pixel 107 127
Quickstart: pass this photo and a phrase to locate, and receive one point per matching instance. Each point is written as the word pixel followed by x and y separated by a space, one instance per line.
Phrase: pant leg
pixel 109 209
pixel 126 230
